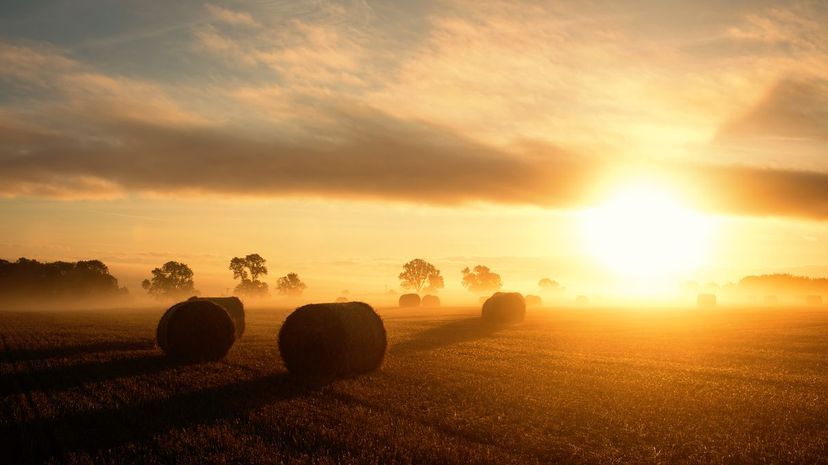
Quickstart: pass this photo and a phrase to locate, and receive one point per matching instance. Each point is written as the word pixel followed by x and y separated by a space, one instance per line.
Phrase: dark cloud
pixel 364 155
pixel 755 191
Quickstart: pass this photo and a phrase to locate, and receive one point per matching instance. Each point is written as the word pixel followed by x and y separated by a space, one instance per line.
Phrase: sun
pixel 643 231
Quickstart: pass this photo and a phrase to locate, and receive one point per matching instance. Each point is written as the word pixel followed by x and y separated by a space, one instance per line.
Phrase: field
pixel 566 386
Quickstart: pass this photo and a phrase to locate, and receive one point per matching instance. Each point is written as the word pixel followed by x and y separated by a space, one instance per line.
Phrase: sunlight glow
pixel 642 232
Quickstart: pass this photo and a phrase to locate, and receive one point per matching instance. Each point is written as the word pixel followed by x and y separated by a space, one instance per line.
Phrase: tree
pixel 550 285
pixel 290 284
pixel 173 279
pixel 481 280
pixel 248 270
pixel 419 274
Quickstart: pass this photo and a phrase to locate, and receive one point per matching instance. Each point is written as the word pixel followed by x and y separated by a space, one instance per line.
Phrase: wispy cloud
pixel 228 16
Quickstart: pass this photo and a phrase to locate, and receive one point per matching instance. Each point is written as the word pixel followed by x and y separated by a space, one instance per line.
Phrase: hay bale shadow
pixel 69 376
pixel 453 332
pixel 95 431
pixel 21 355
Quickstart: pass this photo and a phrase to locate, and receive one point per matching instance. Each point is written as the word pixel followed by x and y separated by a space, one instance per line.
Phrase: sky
pixel 341 139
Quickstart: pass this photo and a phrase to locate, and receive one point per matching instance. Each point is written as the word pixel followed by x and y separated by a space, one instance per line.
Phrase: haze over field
pixel 617 147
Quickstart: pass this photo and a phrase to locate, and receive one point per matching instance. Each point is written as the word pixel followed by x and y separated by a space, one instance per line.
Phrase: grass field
pixel 567 386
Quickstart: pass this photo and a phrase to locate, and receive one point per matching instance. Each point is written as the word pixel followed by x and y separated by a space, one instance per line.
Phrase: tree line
pixel 30 279
pixel 26 279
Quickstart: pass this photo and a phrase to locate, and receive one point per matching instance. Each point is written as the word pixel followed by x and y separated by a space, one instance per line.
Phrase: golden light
pixel 642 231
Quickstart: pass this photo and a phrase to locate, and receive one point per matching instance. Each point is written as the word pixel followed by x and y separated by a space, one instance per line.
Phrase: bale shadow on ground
pixel 68 376
pixel 41 439
pixel 453 332
pixel 17 355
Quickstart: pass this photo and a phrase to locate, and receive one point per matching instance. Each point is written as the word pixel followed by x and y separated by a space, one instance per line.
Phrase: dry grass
pixel 580 386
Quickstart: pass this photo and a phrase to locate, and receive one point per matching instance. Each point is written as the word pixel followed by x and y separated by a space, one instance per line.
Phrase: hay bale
pixel 319 342
pixel 341 300
pixel 504 307
pixel 430 301
pixel 813 300
pixel 706 300
pixel 533 301
pixel 409 300
pixel 233 306
pixel 196 330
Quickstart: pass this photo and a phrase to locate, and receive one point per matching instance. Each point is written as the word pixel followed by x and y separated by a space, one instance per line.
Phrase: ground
pixel 594 386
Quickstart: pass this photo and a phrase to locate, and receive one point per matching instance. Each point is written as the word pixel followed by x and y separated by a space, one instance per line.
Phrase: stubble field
pixel 595 386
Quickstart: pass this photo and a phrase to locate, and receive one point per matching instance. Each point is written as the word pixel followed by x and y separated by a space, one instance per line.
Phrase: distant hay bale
pixel 319 342
pixel 504 308
pixel 582 300
pixel 430 301
pixel 233 306
pixel 196 330
pixel 341 300
pixel 813 300
pixel 706 300
pixel 533 301
pixel 409 300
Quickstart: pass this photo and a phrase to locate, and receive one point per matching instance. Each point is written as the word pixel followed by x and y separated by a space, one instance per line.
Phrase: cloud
pixel 69 90
pixel 369 155
pixel 327 107
pixel 303 57
pixel 235 18
pixel 752 191
pixel 794 108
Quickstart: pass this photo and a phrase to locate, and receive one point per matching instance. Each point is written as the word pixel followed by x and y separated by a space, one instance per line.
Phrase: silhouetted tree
pixel 248 270
pixel 29 279
pixel 481 280
pixel 290 284
pixel 419 274
pixel 173 279
pixel 550 285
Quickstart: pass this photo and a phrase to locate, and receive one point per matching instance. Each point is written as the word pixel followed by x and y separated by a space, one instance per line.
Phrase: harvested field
pixel 565 386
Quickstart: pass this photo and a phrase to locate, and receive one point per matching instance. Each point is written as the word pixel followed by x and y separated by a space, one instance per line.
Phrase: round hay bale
pixel 430 301
pixel 504 308
pixel 196 330
pixel 341 300
pixel 409 300
pixel 233 306
pixel 533 301
pixel 319 342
